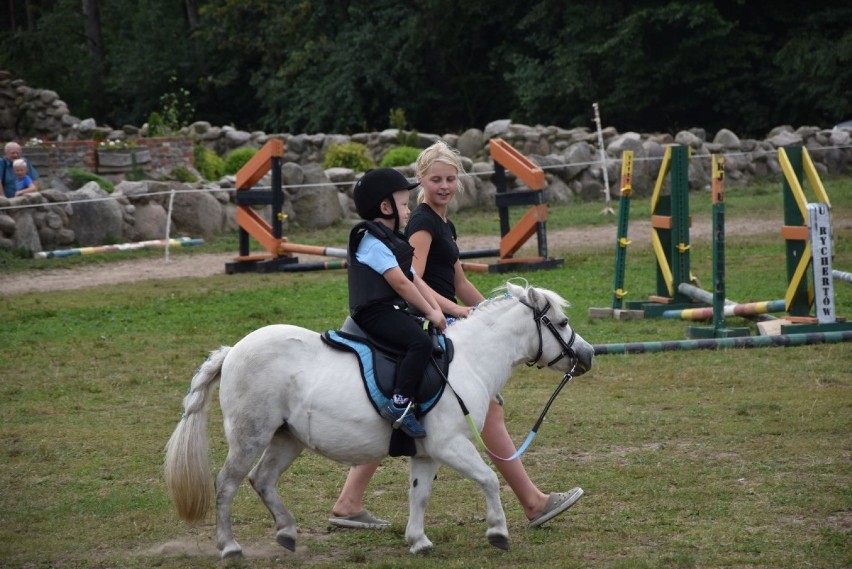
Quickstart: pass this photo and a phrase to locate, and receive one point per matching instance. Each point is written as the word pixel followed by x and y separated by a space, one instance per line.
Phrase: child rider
pixel 382 285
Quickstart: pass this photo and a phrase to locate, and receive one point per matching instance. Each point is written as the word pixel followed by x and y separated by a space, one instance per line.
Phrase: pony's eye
pixel 564 323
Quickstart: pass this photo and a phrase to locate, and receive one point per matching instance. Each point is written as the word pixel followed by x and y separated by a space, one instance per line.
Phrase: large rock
pixel 196 214
pixel 470 143
pixel 150 222
pixel 95 219
pixel 7 224
pixel 496 129
pixel 577 158
pixel 26 236
pixel 317 204
pixel 727 139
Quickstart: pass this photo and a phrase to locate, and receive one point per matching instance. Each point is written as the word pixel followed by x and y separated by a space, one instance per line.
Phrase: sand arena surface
pixel 199 264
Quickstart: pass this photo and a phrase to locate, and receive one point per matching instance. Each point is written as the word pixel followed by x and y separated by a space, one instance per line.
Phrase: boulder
pixel 727 140
pixel 470 143
pixel 26 236
pixel 94 219
pixel 150 222
pixel 196 214
pixel 496 129
pixel 316 205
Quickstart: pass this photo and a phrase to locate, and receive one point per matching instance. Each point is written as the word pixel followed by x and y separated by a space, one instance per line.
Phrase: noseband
pixel 540 317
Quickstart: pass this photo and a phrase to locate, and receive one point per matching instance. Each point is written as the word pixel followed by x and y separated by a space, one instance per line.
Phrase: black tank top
pixel 443 253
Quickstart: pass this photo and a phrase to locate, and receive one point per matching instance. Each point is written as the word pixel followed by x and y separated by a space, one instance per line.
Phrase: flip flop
pixel 557 503
pixel 361 520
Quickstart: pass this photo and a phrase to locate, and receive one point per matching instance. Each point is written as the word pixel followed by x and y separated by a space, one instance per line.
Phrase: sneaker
pixel 409 425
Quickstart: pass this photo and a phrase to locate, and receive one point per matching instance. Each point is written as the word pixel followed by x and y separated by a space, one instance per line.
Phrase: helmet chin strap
pixel 395 216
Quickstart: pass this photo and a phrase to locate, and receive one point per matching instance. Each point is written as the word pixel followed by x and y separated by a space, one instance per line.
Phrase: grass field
pixel 737 458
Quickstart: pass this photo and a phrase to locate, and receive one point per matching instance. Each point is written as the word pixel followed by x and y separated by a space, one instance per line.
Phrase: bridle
pixel 540 317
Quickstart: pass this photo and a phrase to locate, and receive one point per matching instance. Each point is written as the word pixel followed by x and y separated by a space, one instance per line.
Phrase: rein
pixel 540 317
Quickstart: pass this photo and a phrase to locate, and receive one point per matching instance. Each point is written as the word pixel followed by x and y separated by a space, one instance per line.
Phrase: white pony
pixel 282 390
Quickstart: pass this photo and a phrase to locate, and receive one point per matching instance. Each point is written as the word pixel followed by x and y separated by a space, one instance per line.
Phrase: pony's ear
pixel 535 296
pixel 514 290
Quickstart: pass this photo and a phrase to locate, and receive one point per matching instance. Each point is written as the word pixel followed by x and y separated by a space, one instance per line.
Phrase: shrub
pixel 156 125
pixel 407 138
pixel 396 118
pixel 236 159
pixel 80 178
pixel 352 155
pixel 184 174
pixel 209 164
pixel 399 156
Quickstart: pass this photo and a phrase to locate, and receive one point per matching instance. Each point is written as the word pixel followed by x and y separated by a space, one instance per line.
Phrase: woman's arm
pixel 422 243
pixel 465 291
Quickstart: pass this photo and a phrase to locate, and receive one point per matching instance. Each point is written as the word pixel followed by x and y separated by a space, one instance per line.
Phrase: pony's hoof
pixel 232 552
pixel 500 541
pixel 423 551
pixel 286 542
pixel 423 548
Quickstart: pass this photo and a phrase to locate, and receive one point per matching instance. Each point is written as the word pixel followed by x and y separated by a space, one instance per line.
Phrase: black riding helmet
pixel 376 185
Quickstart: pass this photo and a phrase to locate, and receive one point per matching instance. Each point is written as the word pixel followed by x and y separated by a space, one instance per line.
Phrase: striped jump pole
pixel 780 341
pixel 286 247
pixel 80 251
pixel 319 266
pixel 743 310
pixel 842 276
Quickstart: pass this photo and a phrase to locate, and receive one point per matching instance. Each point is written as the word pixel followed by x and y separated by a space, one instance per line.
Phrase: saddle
pixel 378 362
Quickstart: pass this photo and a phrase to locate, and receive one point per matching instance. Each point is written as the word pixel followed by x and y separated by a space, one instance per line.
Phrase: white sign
pixel 822 248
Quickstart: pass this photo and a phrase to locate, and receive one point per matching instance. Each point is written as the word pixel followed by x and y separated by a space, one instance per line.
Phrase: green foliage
pixel 518 61
pixel 396 118
pixel 410 138
pixel 80 178
pixel 237 158
pixel 184 174
pixel 209 164
pixel 351 155
pixel 399 156
pixel 177 108
pixel 156 125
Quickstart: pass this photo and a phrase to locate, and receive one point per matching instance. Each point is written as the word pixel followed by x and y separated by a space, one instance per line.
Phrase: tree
pixel 342 65
pixel 95 45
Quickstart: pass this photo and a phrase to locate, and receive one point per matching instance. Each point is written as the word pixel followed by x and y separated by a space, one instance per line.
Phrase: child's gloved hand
pixel 437 318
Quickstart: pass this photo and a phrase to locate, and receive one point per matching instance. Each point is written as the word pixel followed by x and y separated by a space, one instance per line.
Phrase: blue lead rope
pixel 529 438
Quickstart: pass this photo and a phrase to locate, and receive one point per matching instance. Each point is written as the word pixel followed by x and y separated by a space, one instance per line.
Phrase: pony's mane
pixel 511 290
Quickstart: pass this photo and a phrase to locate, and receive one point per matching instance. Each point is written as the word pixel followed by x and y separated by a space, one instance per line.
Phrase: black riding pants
pixel 398 328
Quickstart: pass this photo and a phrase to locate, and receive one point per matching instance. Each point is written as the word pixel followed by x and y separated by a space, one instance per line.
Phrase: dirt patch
pixel 200 264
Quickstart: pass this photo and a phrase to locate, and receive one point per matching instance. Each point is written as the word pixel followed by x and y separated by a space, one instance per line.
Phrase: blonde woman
pixel 436 260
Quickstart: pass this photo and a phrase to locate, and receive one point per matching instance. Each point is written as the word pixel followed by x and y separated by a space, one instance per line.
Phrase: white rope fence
pixel 603 161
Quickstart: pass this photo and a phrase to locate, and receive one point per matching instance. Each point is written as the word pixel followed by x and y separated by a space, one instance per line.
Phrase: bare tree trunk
pixel 94 37
pixel 95 43
pixel 192 13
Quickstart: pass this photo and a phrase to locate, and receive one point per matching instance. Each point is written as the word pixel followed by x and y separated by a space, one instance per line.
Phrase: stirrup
pixel 398 422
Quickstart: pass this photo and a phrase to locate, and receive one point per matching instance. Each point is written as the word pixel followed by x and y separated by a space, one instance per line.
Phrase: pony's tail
pixel 186 467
